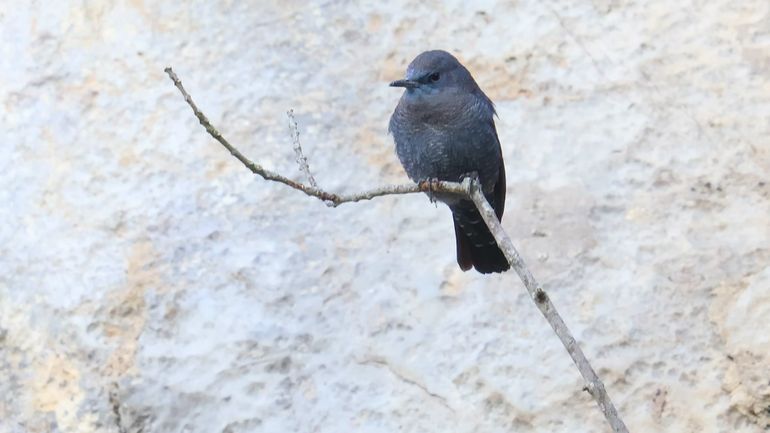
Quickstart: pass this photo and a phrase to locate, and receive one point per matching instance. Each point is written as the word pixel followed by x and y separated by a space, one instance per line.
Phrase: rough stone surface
pixel 149 283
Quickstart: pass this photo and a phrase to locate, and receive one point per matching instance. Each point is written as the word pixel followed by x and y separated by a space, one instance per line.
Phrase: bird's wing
pixel 499 191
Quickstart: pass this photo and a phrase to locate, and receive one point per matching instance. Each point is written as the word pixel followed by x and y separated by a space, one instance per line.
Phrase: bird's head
pixel 435 72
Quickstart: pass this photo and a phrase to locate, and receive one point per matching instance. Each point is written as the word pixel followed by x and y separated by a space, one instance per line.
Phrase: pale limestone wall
pixel 142 268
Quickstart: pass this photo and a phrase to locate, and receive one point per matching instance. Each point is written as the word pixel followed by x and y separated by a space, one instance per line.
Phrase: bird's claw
pixel 432 185
pixel 472 175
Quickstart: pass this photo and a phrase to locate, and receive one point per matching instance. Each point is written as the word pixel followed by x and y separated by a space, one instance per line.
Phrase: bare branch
pixel 331 199
pixel 301 159
pixel 594 385
pixel 469 188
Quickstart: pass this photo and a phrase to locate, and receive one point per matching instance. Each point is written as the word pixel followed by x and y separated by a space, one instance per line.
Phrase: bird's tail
pixel 476 247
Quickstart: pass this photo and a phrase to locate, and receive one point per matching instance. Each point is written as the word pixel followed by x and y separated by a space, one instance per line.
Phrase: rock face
pixel 150 283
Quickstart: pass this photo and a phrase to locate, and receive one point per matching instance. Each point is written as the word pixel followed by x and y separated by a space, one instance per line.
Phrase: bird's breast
pixel 445 146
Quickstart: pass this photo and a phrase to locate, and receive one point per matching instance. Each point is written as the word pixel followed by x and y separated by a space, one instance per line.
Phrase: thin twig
pixel 468 188
pixel 304 167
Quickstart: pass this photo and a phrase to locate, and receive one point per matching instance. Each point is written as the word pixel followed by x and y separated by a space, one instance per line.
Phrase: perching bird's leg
pixel 433 185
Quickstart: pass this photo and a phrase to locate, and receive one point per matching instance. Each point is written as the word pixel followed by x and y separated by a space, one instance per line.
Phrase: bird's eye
pixel 434 77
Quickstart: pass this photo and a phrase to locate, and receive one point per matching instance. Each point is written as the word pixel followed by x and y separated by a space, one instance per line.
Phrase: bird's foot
pixel 472 175
pixel 432 184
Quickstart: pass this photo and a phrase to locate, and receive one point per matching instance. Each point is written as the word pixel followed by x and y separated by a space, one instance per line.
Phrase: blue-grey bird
pixel 444 129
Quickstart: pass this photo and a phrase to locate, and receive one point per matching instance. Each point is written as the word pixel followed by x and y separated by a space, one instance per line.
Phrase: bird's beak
pixel 409 84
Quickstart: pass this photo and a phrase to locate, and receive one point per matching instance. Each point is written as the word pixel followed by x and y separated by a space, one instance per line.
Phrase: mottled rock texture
pixel 150 283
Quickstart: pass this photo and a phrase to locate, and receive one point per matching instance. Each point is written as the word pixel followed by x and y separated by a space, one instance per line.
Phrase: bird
pixel 444 129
